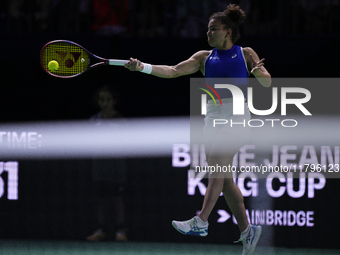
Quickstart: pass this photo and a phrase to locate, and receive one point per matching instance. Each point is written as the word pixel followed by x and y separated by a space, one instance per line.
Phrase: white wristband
pixel 147 68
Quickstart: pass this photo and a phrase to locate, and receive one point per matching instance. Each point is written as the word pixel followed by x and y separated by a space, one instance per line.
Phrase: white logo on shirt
pixel 234 56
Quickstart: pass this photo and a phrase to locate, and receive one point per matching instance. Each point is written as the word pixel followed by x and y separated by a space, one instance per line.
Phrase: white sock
pixel 201 222
pixel 246 230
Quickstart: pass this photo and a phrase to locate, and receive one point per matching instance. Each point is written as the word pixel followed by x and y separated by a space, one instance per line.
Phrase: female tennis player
pixel 225 60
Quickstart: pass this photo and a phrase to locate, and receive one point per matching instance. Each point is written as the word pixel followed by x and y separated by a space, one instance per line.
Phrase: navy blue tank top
pixel 227 64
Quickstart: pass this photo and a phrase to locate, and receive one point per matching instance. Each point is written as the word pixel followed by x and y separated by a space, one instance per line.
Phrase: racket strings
pixel 71 58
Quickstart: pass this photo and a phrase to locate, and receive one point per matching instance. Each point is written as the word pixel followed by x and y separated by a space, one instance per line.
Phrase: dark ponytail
pixel 231 18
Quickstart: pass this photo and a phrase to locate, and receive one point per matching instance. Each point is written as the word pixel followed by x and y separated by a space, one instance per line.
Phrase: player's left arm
pixel 256 67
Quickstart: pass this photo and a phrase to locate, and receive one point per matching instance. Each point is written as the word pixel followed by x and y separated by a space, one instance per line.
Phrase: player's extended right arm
pixel 189 66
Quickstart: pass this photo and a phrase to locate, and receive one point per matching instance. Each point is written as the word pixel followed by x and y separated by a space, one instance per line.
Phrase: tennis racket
pixel 72 59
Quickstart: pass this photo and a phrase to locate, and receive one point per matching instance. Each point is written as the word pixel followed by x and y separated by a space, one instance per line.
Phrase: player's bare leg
pixel 221 153
pixel 217 156
pixel 235 201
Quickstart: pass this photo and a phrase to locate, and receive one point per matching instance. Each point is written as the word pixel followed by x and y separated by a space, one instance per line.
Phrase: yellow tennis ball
pixel 53 65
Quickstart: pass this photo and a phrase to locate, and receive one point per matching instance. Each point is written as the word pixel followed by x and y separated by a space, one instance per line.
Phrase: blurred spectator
pixel 70 16
pixel 150 17
pixel 261 17
pixel 111 16
pixel 191 22
pixel 21 14
pixel 167 18
pixel 109 176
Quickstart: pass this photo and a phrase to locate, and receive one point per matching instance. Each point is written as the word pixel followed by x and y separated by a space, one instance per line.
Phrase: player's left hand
pixel 256 65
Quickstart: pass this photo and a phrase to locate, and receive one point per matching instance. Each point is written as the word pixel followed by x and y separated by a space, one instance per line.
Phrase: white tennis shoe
pixel 192 227
pixel 249 239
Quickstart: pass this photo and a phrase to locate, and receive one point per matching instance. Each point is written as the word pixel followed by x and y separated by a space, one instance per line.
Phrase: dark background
pixel 297 39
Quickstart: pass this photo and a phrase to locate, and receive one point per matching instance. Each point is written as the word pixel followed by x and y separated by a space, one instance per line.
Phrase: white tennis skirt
pixel 221 118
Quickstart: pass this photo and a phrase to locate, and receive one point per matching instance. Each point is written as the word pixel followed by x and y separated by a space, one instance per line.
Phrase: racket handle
pixel 116 62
